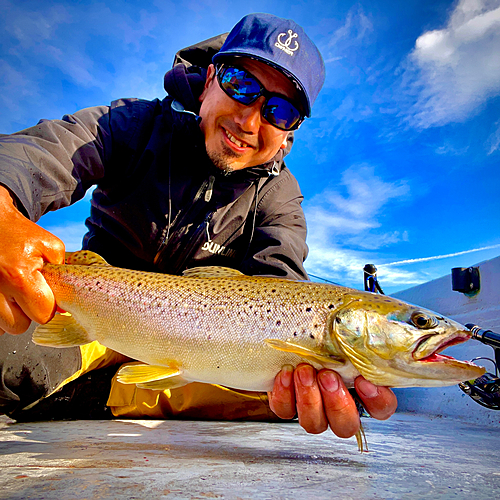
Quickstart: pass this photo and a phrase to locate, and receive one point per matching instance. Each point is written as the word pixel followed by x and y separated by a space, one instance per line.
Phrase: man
pixel 195 179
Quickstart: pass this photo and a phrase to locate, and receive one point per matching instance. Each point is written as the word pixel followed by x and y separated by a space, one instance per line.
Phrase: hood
pixel 185 82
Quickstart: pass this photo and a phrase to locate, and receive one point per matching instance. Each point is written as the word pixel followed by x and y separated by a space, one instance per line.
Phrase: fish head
pixel 396 344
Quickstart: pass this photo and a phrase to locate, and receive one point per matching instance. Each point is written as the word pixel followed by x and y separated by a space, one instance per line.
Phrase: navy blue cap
pixel 282 44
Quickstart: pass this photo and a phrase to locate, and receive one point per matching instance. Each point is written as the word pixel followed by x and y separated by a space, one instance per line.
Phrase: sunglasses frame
pixel 220 71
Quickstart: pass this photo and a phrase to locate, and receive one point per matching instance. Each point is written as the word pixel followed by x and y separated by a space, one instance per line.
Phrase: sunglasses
pixel 240 85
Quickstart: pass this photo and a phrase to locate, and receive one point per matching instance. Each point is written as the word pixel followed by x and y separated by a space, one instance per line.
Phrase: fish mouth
pixel 429 347
pixel 446 368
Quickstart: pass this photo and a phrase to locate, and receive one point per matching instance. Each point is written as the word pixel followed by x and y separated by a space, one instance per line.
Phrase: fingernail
pixel 286 375
pixel 306 375
pixel 329 381
pixel 366 388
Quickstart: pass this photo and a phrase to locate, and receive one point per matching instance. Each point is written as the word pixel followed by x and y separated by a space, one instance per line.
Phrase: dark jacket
pixel 159 203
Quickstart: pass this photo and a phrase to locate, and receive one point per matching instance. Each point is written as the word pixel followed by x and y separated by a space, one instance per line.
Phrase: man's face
pixel 237 136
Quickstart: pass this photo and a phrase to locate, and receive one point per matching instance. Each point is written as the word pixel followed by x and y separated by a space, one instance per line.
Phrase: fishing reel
pixel 485 390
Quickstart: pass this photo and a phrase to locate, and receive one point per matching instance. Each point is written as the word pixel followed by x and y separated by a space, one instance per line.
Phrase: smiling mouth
pixel 234 140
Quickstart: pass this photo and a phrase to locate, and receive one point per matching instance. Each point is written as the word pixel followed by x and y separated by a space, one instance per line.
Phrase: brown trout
pixel 218 326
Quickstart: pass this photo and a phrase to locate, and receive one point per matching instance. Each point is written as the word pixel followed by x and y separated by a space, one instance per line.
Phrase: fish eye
pixel 423 321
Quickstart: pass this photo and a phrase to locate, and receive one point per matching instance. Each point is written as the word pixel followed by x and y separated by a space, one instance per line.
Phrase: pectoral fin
pixel 361 362
pixel 305 352
pixel 145 374
pixel 61 331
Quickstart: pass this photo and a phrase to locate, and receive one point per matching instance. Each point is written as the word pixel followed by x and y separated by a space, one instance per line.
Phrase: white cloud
pixel 344 226
pixel 365 193
pixel 33 28
pixel 451 149
pixel 88 194
pixel 438 257
pixel 14 89
pixel 348 38
pixel 60 39
pixel 493 142
pixel 456 69
pixel 355 29
pixel 350 111
pixel 345 266
pixel 71 234
pixel 64 225
pixel 36 34
pixel 134 30
pixel 347 55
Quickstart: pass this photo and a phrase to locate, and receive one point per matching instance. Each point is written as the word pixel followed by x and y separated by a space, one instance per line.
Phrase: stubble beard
pixel 222 160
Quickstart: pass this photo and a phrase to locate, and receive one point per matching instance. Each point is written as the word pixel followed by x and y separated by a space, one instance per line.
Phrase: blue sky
pixel 399 164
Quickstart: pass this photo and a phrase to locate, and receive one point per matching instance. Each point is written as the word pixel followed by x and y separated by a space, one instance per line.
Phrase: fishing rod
pixel 485 336
pixel 485 390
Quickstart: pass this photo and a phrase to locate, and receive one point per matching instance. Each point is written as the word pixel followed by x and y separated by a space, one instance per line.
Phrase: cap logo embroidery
pixel 285 46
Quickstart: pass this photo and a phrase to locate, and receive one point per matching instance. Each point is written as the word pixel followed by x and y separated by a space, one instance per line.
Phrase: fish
pixel 219 326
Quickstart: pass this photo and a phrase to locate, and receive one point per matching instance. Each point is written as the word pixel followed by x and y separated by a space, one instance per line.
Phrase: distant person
pixel 195 179
pixel 370 278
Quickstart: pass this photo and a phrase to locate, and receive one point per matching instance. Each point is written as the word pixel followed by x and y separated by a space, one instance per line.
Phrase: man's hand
pixel 321 400
pixel 24 247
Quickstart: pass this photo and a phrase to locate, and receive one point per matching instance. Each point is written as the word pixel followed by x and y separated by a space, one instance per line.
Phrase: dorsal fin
pixel 84 258
pixel 212 272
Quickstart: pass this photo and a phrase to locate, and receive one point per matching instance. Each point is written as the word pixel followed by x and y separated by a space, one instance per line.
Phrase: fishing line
pixel 322 279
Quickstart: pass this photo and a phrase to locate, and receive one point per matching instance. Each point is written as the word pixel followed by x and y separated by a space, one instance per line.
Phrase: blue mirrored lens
pixel 239 85
pixel 246 89
pixel 281 113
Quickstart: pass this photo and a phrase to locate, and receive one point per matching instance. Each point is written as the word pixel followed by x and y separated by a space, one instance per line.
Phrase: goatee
pixel 221 160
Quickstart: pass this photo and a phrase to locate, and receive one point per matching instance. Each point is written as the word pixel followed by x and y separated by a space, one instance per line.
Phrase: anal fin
pixel 139 373
pixel 164 384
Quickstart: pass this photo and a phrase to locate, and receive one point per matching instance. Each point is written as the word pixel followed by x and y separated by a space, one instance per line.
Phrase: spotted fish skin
pixel 219 326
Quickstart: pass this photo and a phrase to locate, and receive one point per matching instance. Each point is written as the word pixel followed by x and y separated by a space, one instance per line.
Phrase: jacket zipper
pixel 177 258
pixel 210 188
